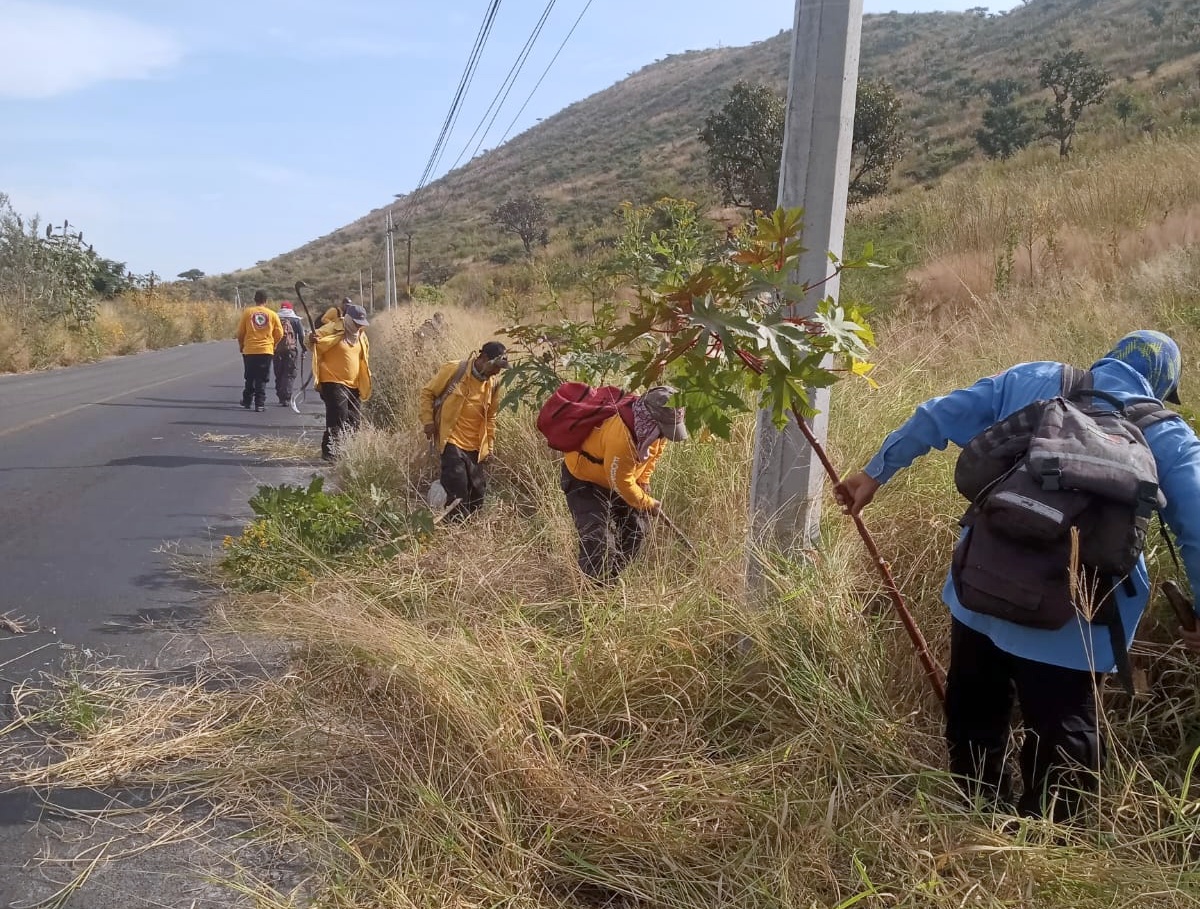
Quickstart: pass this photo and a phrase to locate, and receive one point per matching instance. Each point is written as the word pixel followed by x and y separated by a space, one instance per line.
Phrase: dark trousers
pixel 256 370
pixel 1063 750
pixel 287 364
pixel 464 479
pixel 342 412
pixel 611 531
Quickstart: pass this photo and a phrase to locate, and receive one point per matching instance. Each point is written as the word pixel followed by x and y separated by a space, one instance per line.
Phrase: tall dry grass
pixel 1040 220
pixel 470 724
pixel 126 325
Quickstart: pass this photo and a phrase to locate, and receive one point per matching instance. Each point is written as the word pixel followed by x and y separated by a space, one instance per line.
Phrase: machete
pixel 298 397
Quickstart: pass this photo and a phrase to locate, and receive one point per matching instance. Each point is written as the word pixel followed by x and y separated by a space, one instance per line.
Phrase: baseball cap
pixel 669 419
pixel 357 314
pixel 1156 357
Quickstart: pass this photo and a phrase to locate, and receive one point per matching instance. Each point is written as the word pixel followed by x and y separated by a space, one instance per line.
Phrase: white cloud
pixel 49 49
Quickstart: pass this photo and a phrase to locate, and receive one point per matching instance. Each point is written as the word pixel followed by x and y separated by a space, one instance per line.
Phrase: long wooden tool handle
pixel 933 672
pixel 1184 610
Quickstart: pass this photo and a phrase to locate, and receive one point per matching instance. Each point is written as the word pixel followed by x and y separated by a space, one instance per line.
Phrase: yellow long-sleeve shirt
pixel 340 363
pixel 259 330
pixel 613 463
pixel 468 415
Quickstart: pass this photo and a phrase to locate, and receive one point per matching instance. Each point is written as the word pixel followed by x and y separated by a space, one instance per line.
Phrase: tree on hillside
pixel 744 140
pixel 192 274
pixel 879 138
pixel 745 146
pixel 1006 130
pixel 525 216
pixel 1077 83
pixel 1003 91
pixel 435 273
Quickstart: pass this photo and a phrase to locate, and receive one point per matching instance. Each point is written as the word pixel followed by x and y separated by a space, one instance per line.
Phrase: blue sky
pixel 211 134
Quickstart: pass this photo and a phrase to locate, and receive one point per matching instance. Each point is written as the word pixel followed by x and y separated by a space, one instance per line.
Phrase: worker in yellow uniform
pixel 333 315
pixel 258 332
pixel 607 482
pixel 458 412
pixel 342 373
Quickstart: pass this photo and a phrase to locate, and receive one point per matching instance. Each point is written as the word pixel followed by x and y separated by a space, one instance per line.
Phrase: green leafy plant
pixel 658 243
pixel 721 327
pixel 299 529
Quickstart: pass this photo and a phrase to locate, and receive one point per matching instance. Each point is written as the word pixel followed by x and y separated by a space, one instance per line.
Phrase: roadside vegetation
pixel 463 722
pixel 62 303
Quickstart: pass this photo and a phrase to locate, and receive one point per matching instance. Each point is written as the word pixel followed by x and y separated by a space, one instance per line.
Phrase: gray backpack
pixel 1062 493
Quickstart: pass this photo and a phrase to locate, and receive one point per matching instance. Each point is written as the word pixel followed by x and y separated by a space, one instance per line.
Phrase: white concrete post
pixel 785 504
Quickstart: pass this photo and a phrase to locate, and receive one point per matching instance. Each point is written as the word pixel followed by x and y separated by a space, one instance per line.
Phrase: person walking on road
pixel 607 482
pixel 258 333
pixel 458 415
pixel 342 373
pixel 289 353
pixel 997 654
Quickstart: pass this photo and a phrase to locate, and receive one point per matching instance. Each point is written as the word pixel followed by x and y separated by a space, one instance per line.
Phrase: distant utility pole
pixel 785 489
pixel 237 296
pixel 371 275
pixel 389 257
pixel 408 268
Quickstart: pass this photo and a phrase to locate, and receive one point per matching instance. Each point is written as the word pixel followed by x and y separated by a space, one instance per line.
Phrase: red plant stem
pixel 933 672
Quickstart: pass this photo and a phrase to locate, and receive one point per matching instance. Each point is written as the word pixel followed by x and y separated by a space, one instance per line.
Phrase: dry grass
pixel 468 724
pixel 128 325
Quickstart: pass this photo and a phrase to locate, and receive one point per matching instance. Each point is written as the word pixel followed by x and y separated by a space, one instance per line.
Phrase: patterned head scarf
pixel 1156 357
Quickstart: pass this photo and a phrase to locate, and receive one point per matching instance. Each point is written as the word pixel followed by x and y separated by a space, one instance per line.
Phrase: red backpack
pixel 575 409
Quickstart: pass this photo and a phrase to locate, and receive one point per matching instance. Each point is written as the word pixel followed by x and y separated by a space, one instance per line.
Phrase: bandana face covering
pixel 645 430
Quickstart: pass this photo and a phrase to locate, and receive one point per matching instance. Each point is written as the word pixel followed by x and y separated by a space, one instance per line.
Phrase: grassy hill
pixel 636 140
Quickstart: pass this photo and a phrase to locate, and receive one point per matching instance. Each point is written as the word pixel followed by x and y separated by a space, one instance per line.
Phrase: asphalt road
pixel 104 481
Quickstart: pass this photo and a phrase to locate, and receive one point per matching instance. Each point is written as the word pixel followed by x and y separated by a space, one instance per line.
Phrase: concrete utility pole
pixel 785 504
pixel 389 265
pixel 408 268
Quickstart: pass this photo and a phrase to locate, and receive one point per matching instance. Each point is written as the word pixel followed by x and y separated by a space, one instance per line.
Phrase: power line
pixel 464 85
pixel 501 96
pixel 546 71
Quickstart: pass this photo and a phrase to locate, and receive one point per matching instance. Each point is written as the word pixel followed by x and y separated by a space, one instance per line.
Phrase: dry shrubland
pixel 132 323
pixel 467 723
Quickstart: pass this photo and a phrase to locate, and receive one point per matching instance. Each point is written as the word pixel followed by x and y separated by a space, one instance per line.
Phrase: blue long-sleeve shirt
pixel 961 415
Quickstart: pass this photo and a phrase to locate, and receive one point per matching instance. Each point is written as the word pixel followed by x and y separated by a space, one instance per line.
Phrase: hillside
pixel 636 140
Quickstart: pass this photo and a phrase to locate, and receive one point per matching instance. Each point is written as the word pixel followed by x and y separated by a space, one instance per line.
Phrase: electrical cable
pixel 464 85
pixel 545 72
pixel 501 96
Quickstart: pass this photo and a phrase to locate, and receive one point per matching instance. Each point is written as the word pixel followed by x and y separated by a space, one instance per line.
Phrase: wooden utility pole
pixel 785 490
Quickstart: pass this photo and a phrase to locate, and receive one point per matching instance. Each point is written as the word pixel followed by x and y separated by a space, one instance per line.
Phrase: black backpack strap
pixel 1116 639
pixel 1075 380
pixel 1145 414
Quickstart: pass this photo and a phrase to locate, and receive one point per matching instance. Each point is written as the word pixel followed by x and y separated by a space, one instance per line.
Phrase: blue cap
pixel 1156 357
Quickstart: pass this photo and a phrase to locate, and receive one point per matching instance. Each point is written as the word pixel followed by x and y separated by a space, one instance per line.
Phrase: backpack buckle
pixel 1050 473
pixel 1147 499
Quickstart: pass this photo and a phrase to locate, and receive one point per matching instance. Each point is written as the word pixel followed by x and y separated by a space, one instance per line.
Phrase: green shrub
pixel 297 531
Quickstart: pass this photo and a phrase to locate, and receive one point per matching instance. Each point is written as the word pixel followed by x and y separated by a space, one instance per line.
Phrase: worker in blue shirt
pixel 1053 673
